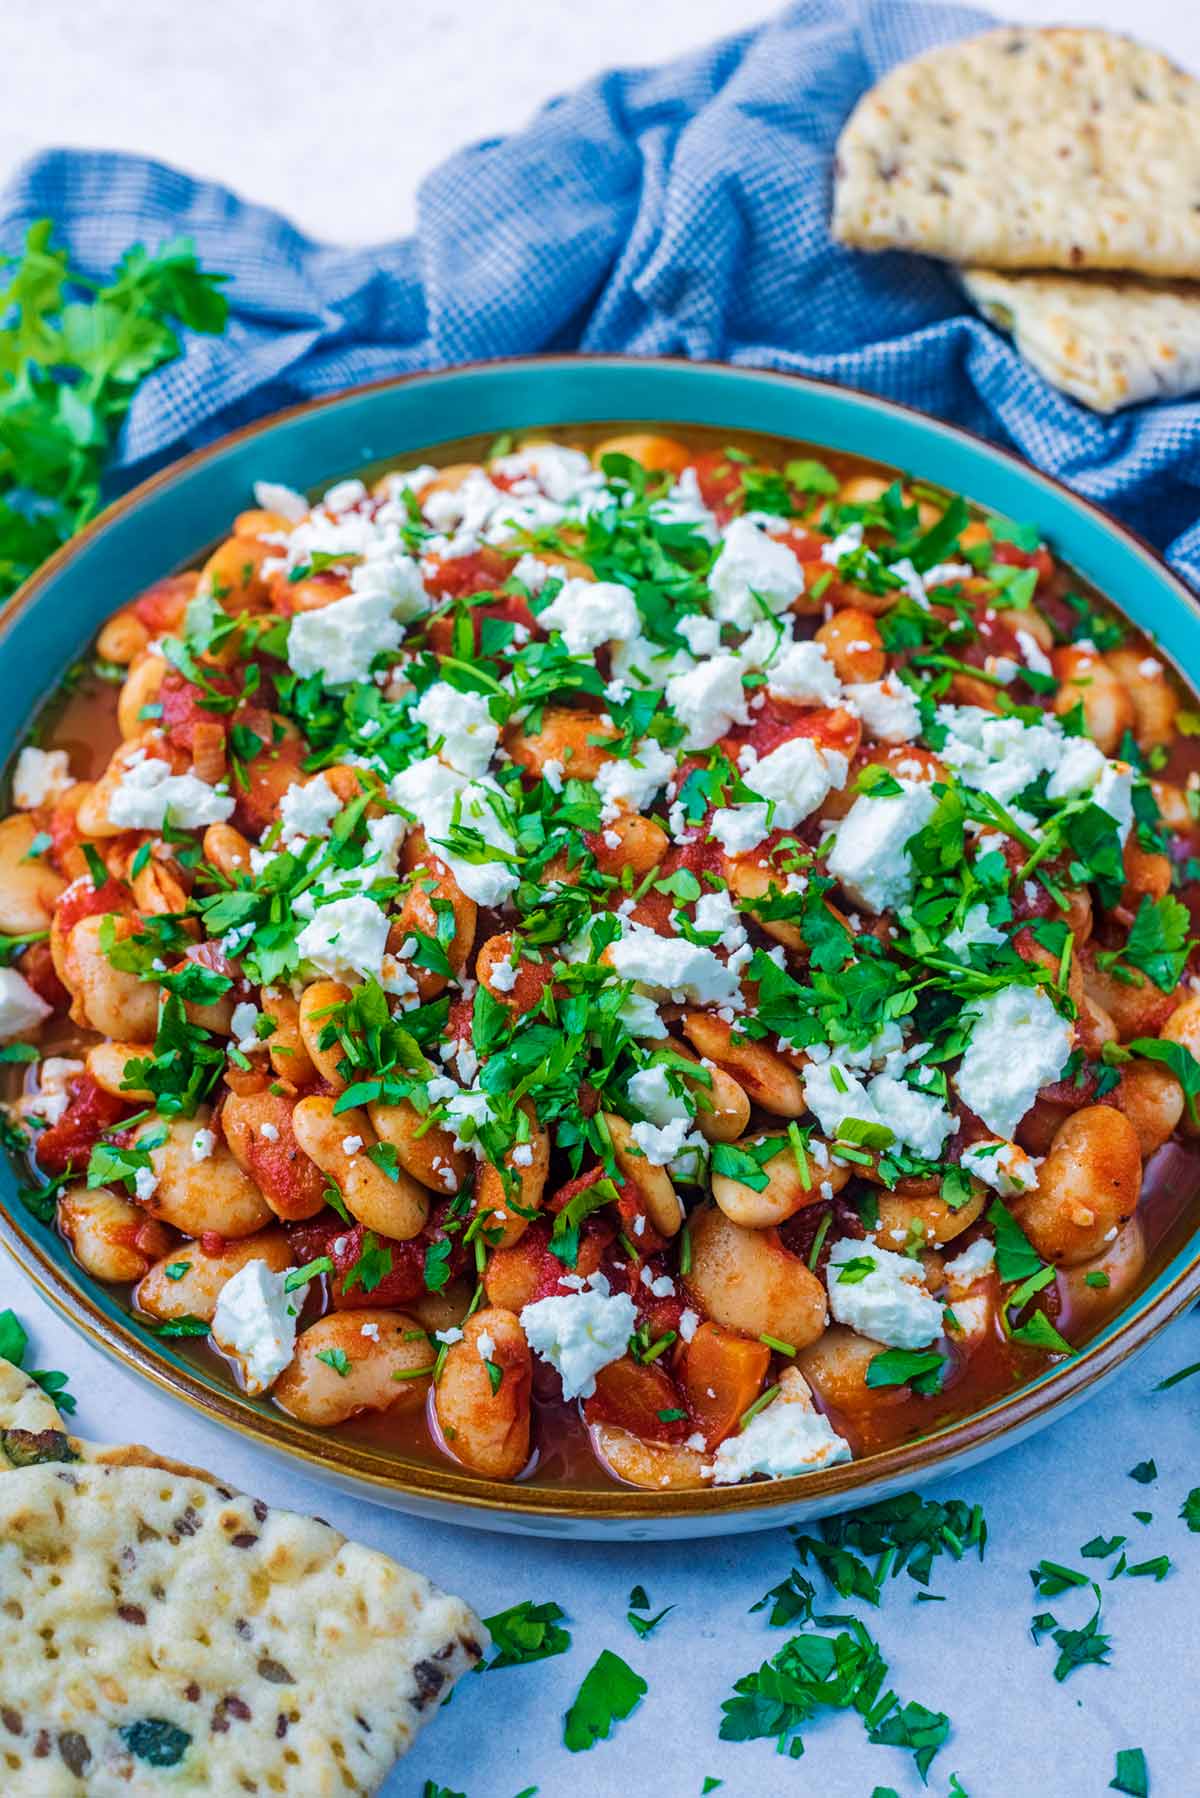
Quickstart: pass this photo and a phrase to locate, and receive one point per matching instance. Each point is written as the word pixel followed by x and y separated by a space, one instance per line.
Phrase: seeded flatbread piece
pixel 1028 149
pixel 1106 341
pixel 168 1635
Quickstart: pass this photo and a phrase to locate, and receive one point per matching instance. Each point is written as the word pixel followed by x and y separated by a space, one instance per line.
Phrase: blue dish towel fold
pixel 674 211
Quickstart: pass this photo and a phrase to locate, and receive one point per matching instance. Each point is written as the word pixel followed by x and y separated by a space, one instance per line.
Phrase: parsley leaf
pixel 527 1632
pixel 610 1691
pixel 1132 1775
pixel 907 1367
pixel 1158 941
pixel 72 354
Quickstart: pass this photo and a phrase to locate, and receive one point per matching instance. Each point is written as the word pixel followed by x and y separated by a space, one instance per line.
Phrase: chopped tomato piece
pixel 641 1398
pixel 90 1113
pixel 162 606
pixel 722 1375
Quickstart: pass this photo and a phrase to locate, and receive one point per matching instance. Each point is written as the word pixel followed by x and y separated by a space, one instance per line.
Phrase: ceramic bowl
pixel 167 521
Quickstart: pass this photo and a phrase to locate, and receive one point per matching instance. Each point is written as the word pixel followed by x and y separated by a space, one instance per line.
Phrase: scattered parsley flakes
pixel 611 1690
pixel 526 1632
pixel 1144 1473
pixel 1132 1775
pixel 1088 1646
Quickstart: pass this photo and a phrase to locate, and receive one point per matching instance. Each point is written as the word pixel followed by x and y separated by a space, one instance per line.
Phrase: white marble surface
pixel 333 113
pixel 332 110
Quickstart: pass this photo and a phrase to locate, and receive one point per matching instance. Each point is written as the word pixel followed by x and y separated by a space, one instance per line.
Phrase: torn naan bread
pixel 1107 342
pixel 1020 148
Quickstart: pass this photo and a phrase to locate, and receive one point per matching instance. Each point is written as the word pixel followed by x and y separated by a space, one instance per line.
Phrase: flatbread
pixel 164 1634
pixel 1106 341
pixel 1028 149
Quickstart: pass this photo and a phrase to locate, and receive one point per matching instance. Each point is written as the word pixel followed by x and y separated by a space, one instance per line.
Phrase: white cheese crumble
pixel 51 1099
pixel 589 613
pixel 578 1333
pixel 630 782
pixel 673 966
pixel 974 931
pixel 202 1145
pixel 973 1264
pixel 888 709
pixel 347 936
pixel 308 808
pixel 1018 1044
pixel 888 1302
pixel 752 574
pixel 459 726
pixel 803 673
pixel 1003 1166
pixel 147 794
pixel 869 858
pixel 708 700
pixel 21 1008
pixel 255 1321
pixel 442 800
pixel 40 776
pixel 789 1437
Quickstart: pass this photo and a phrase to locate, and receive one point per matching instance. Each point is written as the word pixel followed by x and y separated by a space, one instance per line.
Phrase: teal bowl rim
pixel 699 387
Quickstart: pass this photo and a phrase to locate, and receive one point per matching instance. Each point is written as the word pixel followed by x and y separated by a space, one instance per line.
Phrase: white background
pixel 332 110
pixel 333 113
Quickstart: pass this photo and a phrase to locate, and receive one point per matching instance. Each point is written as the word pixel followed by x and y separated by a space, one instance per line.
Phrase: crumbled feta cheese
pixel 269 1132
pixel 715 913
pixel 672 965
pixel 40 776
pixel 708 700
pixel 589 613
pixel 522 1155
pixel 21 1008
pixel 632 781
pixel 973 931
pixel 345 937
pixel 578 1333
pixel 241 1026
pixel 52 1097
pixel 789 1437
pixel 797 777
pixel 1003 1166
pixel 351 1145
pixel 752 572
pixel 255 1321
pixel 689 1323
pixel 203 1144
pixel 1000 756
pixel 448 1337
pixel 663 1144
pixel 803 673
pixel 1018 1044
pixel 833 1093
pixel 503 977
pixel 485 1345
pixel 701 634
pixel 889 1302
pixel 308 808
pixel 148 794
pixel 145 1185
pixel 1032 653
pixel 650 1090
pixel 272 496
pixel 887 708
pixel 739 828
pixel 341 640
pixel 460 727
pixel 870 858
pixel 443 800
pixel 973 1264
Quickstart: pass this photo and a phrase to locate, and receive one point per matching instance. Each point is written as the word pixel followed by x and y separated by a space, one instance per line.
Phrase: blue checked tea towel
pixel 675 211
